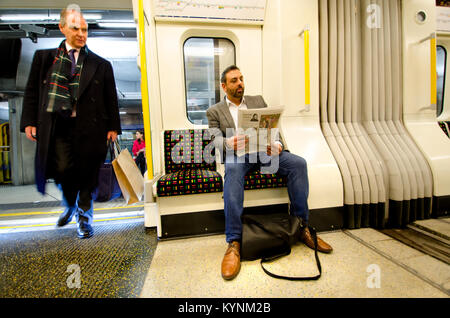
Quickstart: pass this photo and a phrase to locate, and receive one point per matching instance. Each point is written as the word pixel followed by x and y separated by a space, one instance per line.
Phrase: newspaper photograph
pixel 261 127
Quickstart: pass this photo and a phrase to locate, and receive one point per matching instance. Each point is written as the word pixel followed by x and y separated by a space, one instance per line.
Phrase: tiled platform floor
pixel 191 268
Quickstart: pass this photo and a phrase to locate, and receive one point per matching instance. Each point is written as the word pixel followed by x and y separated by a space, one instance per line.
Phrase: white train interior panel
pixel 357 105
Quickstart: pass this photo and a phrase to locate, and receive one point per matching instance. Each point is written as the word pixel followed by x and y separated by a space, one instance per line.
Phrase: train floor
pixel 126 260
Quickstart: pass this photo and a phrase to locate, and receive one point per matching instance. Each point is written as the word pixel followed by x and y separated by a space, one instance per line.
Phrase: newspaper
pixel 260 125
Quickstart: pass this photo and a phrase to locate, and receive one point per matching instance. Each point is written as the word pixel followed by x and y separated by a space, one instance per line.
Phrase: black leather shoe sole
pixel 63 223
pixel 64 219
pixel 85 232
pixel 84 235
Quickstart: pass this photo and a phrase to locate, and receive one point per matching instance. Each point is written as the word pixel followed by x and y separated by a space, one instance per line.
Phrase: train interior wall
pixel 379 167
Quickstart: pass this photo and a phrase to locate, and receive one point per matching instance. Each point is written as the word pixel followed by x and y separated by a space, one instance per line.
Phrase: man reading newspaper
pixel 237 110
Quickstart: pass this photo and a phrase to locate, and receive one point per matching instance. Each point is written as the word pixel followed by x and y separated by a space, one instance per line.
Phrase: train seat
pixel 190 166
pixel 189 181
pixel 444 126
pixel 184 175
pixel 256 180
pixel 192 174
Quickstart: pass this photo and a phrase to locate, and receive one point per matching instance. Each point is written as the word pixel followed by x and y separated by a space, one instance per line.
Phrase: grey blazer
pixel 219 119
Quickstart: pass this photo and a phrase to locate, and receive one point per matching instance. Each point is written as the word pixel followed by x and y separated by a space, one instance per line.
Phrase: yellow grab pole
pixel 433 70
pixel 307 70
pixel 144 93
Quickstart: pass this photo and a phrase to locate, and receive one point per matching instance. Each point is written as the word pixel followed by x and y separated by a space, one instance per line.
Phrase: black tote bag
pixel 107 188
pixel 270 236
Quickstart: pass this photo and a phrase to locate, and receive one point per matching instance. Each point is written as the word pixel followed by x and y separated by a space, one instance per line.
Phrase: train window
pixel 441 59
pixel 204 59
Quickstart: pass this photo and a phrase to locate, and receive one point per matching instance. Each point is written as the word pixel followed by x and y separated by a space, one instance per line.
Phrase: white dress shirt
pixel 235 108
pixel 234 114
pixel 75 54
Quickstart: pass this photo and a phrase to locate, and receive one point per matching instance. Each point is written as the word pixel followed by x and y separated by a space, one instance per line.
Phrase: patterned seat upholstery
pixel 190 166
pixel 444 126
pixel 189 162
pixel 257 180
pixel 188 149
pixel 189 182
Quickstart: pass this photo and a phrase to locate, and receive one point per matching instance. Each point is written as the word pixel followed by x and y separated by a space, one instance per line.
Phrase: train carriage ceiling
pixel 111 11
pixel 58 4
pixel 37 23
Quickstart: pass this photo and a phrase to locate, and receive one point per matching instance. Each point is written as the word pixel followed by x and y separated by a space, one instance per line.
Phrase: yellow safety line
pixel 28 213
pixel 55 212
pixel 120 207
pixel 433 71
pixel 121 218
pixel 51 224
pixel 307 69
pixel 144 93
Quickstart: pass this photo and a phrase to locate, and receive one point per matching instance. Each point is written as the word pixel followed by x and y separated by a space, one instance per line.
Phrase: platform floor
pixel 191 268
pixel 24 209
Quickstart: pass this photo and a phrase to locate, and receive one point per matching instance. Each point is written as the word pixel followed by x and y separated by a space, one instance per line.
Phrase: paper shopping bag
pixel 129 176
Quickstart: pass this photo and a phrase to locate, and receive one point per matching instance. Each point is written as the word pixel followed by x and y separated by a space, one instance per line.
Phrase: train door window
pixel 204 59
pixel 441 59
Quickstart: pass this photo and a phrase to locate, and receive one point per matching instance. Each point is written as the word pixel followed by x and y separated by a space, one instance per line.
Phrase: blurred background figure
pixel 139 151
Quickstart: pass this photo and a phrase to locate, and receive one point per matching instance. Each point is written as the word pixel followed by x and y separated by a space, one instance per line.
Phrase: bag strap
pixel 116 147
pixel 111 150
pixel 319 266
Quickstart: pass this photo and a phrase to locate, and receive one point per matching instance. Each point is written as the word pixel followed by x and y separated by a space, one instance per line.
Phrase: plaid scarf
pixel 63 86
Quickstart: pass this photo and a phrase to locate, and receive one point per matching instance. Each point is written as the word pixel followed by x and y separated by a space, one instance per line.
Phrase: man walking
pixel 70 109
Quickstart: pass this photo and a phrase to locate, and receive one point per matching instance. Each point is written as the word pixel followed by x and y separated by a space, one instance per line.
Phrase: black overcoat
pixel 97 111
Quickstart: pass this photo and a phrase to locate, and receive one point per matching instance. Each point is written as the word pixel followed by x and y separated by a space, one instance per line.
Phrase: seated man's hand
pixel 274 149
pixel 237 142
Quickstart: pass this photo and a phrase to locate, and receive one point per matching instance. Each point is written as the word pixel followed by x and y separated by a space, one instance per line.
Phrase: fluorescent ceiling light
pixel 42 17
pixel 91 16
pixel 26 17
pixel 126 25
pixel 4 106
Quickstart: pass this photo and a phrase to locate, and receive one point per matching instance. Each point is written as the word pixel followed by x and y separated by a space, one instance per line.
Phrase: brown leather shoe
pixel 231 263
pixel 322 246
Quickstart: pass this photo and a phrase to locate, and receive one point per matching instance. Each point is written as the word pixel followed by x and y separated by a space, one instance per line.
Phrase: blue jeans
pixel 289 165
